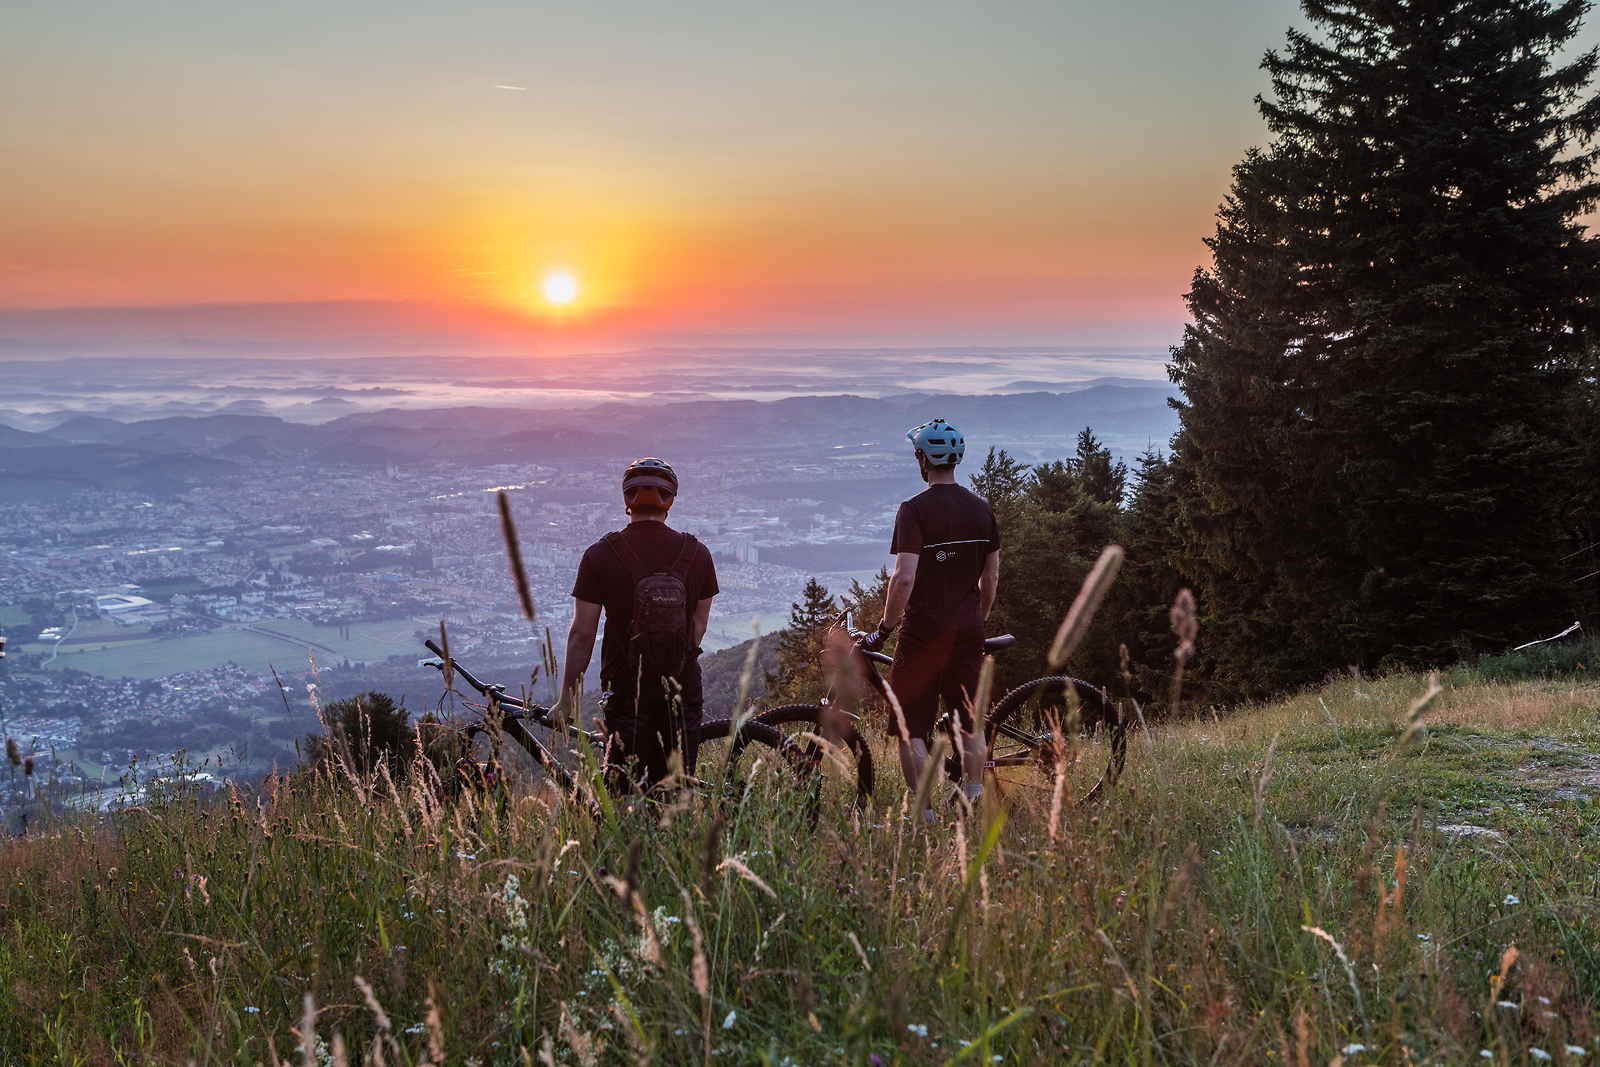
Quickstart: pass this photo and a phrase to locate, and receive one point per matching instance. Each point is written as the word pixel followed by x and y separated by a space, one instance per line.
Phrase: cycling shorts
pixel 647 739
pixel 927 666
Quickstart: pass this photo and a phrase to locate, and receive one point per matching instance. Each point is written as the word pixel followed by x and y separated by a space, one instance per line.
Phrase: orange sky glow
pixel 984 172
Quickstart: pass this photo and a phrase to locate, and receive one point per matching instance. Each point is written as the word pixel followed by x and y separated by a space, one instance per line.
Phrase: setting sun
pixel 559 287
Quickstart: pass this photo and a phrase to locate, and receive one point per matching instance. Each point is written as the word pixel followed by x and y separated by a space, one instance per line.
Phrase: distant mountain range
pixel 162 455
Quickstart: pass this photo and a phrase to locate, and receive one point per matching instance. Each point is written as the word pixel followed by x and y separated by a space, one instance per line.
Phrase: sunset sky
pixel 1001 172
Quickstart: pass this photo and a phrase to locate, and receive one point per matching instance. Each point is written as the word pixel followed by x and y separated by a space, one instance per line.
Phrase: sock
pixel 974 791
pixel 927 816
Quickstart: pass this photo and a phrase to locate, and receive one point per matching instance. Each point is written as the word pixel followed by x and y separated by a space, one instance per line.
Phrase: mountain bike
pixel 1020 731
pixel 730 748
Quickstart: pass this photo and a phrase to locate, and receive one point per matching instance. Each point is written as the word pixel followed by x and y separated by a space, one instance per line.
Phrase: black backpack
pixel 658 643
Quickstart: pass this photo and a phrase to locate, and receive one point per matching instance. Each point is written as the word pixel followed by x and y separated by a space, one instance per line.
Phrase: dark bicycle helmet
pixel 940 442
pixel 652 479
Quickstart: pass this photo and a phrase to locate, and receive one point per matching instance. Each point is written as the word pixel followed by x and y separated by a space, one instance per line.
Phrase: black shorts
pixel 649 736
pixel 928 666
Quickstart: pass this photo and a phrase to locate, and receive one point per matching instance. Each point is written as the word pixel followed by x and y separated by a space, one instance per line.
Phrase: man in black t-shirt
pixel 946 548
pixel 647 718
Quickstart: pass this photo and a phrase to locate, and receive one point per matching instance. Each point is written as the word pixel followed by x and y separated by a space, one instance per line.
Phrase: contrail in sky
pixel 522 88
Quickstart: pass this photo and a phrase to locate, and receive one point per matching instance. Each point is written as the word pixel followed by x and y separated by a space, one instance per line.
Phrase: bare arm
pixel 699 621
pixel 900 583
pixel 989 583
pixel 580 648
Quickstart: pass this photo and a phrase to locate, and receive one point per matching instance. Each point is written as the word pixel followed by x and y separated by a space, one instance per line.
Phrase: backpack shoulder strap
pixel 680 569
pixel 630 559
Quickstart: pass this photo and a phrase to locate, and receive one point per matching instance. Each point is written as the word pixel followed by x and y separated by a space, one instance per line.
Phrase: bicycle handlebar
pixel 537 712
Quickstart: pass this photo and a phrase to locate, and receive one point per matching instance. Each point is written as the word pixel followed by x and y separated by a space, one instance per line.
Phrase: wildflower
pixel 919 1029
pixel 1351 1050
pixel 253 1010
pixel 1511 898
pixel 1511 1004
pixel 1538 1053
pixel 1424 937
pixel 1575 1050
pixel 1486 1054
pixel 733 1017
pixel 417 1029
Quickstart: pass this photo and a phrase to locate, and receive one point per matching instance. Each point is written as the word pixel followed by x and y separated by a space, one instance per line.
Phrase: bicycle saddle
pixel 996 644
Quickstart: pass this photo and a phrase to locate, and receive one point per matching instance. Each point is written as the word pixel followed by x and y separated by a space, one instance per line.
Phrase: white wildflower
pixel 1351 1050
pixel 733 1017
pixel 918 1028
pixel 1538 1053
pixel 1511 898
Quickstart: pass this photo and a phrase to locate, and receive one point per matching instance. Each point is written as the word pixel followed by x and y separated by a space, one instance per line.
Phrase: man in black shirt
pixel 647 717
pixel 946 548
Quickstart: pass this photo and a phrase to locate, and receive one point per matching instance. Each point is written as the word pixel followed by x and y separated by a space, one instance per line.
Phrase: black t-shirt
pixel 604 579
pixel 953 531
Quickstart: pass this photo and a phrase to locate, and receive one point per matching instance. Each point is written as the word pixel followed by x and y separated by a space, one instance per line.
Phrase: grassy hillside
pixel 1305 882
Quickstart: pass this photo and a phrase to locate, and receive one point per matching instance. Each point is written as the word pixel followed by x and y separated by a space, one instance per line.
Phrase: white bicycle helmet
pixel 940 442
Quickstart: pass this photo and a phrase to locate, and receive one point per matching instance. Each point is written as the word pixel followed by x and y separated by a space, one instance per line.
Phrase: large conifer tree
pixel 1380 359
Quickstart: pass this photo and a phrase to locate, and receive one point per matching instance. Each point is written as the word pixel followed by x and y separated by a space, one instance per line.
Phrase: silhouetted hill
pixel 1127 416
pixel 26 472
pixel 10 438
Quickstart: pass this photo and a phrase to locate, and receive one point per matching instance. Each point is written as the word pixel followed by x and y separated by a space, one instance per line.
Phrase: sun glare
pixel 559 287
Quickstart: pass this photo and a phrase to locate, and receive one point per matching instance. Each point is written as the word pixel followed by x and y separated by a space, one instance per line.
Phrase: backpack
pixel 658 643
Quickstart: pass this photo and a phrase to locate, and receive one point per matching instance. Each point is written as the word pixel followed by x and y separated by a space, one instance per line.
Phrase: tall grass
pixel 1270 887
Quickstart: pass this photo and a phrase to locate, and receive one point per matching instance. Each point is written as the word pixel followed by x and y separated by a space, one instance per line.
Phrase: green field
pixel 13 615
pixel 367 640
pixel 729 630
pixel 156 659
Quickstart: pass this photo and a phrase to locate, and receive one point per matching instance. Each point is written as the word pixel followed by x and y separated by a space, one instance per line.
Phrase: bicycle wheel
pixel 1019 730
pixel 726 762
pixel 794 719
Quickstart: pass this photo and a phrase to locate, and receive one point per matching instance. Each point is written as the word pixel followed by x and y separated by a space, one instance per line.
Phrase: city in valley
pixel 199 582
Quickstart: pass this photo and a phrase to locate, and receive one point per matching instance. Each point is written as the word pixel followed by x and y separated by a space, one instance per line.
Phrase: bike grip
pixel 431 647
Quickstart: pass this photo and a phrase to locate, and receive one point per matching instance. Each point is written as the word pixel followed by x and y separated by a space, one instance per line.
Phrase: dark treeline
pixel 1389 453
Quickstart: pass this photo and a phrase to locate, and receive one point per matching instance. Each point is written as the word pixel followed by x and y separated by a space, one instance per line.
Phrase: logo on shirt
pixel 942 555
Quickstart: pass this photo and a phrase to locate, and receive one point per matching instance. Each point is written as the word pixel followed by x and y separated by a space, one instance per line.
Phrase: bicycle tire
pixel 1096 710
pixel 813 715
pixel 727 770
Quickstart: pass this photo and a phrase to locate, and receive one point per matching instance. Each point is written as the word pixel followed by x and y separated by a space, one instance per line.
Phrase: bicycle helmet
pixel 940 442
pixel 649 481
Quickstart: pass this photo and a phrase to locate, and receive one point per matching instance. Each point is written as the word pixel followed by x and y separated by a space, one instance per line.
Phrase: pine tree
pixel 1107 482
pixel 1001 480
pixel 799 678
pixel 1151 577
pixel 1376 374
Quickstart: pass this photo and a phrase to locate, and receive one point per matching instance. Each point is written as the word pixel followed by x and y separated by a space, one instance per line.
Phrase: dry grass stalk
pixel 737 865
pixel 932 771
pixel 308 1034
pixel 519 574
pixel 582 1044
pixel 1086 604
pixel 1186 624
pixel 449 661
pixel 1261 783
pixel 1059 756
pixel 434 1024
